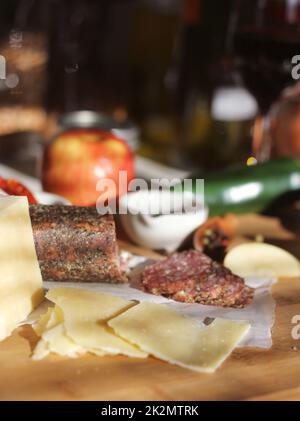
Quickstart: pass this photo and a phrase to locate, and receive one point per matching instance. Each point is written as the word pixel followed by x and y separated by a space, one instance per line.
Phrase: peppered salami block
pixel 193 277
pixel 75 244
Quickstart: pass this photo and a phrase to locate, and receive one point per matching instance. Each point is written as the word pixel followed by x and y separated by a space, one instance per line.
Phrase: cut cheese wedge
pixel 262 260
pixel 20 276
pixel 172 337
pixel 85 313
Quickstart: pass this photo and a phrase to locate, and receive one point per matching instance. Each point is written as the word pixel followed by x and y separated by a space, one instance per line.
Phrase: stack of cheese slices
pixel 83 321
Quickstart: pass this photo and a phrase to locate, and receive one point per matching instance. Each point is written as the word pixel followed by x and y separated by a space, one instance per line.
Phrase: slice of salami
pixel 193 277
pixel 75 244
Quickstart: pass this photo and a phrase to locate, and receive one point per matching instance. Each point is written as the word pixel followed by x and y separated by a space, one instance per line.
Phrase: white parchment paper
pixel 260 313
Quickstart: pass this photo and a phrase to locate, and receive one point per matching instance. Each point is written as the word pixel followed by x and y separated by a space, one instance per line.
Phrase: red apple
pixel 77 159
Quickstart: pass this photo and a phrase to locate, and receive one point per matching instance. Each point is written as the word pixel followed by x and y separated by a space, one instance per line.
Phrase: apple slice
pixel 262 260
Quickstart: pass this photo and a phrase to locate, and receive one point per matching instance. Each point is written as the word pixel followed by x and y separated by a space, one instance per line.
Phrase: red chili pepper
pixel 15 188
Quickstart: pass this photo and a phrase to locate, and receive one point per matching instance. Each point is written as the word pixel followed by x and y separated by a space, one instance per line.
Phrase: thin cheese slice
pixel 85 313
pixel 20 276
pixel 54 338
pixel 48 320
pixel 87 305
pixel 59 343
pixel 172 337
pixel 98 337
pixel 40 326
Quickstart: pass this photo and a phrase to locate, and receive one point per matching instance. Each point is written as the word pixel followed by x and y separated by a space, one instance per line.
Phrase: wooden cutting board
pixel 247 374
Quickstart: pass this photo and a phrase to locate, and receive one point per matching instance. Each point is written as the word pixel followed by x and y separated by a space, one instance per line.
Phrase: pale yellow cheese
pixel 51 318
pixel 87 305
pixel 85 313
pixel 55 340
pixel 172 337
pixel 42 322
pixel 98 337
pixel 59 343
pixel 53 336
pixel 20 277
pixel 262 260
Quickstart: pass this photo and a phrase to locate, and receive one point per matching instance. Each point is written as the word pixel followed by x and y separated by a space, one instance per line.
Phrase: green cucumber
pixel 249 188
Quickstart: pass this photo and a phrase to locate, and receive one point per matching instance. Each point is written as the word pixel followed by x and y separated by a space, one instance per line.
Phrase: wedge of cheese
pixel 85 314
pixel 172 337
pixel 20 277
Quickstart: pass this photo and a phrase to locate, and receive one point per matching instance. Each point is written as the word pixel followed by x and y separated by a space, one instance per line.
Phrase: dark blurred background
pixel 153 62
pixel 193 79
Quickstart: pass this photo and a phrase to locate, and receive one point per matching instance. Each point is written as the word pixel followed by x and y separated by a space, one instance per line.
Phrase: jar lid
pixel 86 119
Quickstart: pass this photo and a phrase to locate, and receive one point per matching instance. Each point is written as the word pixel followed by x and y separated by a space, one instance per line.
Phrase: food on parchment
pixel 77 325
pixel 20 281
pixel 15 188
pixel 75 244
pixel 261 259
pixel 89 155
pixel 102 324
pixel 170 336
pixel 192 277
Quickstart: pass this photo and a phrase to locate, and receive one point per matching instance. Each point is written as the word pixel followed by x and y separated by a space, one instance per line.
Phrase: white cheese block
pixel 172 337
pixel 85 314
pixel 20 276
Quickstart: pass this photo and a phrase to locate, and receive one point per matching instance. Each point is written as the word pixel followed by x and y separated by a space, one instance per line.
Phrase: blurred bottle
pixel 219 110
pixel 232 113
pixel 154 68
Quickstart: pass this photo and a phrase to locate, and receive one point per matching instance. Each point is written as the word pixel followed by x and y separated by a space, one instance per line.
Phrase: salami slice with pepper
pixel 75 244
pixel 193 277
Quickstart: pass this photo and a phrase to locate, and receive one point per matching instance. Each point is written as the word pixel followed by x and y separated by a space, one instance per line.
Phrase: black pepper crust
pixel 75 244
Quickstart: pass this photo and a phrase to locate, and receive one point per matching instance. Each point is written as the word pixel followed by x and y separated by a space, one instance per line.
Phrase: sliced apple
pixel 262 260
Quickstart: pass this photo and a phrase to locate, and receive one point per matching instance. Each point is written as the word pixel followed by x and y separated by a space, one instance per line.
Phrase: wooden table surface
pixel 247 374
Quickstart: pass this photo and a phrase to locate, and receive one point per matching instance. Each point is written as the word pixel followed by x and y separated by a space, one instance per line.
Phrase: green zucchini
pixel 249 188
